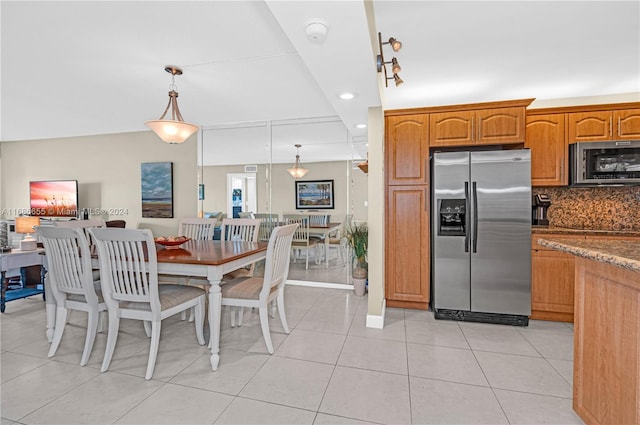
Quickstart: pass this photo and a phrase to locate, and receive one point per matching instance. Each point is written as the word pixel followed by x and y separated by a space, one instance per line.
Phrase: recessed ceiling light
pixel 360 126
pixel 346 96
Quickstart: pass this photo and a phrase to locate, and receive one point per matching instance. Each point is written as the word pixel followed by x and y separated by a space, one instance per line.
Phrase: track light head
pixel 397 79
pixel 395 66
pixel 395 44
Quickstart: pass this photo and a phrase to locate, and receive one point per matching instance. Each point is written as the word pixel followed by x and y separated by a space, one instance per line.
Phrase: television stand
pixel 17 259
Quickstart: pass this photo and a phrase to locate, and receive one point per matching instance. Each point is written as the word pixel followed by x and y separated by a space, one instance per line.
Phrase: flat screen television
pixel 54 198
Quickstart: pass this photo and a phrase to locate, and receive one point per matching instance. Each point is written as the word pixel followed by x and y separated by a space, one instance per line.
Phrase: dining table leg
pixel 215 314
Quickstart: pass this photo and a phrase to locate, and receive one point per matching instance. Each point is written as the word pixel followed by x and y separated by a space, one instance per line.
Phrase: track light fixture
pixel 395 66
pixel 174 130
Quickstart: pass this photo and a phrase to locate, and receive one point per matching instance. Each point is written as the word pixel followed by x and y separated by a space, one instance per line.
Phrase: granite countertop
pixel 623 254
pixel 541 230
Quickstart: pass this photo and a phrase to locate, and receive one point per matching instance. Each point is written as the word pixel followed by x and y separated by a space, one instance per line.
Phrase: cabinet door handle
pixel 619 123
pixel 610 126
pixel 473 129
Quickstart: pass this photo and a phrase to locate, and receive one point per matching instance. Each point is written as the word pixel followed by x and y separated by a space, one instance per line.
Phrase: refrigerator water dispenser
pixel 452 220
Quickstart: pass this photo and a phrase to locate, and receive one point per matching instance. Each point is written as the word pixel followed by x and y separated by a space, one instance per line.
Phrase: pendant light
pixel 298 171
pixel 174 130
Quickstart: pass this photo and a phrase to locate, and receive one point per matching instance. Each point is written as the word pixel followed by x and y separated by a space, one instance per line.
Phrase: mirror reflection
pixel 244 166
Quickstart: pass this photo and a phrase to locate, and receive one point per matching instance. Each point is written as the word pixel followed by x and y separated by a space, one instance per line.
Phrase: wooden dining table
pixel 210 259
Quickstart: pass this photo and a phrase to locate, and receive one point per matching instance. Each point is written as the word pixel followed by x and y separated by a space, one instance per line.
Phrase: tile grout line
pixel 485 376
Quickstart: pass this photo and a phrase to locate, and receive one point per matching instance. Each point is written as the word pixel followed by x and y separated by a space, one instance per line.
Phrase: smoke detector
pixel 316 29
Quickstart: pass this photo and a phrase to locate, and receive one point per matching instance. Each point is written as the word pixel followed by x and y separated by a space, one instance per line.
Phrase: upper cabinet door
pixel 546 137
pixel 590 126
pixel 452 128
pixel 503 125
pixel 483 126
pixel 407 149
pixel 627 122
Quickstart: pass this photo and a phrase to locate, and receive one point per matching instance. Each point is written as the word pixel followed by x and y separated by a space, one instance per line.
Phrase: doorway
pixel 241 193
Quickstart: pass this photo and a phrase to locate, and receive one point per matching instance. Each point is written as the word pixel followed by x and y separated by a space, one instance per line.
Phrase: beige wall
pixel 376 211
pixel 283 188
pixel 107 168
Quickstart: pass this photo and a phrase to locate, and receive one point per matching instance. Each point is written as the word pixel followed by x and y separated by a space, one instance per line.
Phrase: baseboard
pixel 377 322
pixel 327 285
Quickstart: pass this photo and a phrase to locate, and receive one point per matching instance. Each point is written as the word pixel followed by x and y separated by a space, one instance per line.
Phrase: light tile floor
pixel 330 369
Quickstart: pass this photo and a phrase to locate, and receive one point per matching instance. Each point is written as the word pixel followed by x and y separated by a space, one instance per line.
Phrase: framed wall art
pixel 157 189
pixel 316 194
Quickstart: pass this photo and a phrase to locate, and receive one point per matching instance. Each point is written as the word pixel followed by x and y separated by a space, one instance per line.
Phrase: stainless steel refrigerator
pixel 481 236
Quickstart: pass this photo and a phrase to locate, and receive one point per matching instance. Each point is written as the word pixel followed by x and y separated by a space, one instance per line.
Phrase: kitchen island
pixel 606 373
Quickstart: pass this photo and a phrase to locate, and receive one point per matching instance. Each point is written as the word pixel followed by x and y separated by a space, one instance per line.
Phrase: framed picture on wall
pixel 157 189
pixel 316 194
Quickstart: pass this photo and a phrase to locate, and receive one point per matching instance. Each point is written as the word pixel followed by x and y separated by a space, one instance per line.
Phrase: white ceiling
pixel 82 68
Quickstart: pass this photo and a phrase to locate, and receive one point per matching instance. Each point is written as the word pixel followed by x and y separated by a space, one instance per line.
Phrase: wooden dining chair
pixel 71 282
pixel 251 291
pixel 129 277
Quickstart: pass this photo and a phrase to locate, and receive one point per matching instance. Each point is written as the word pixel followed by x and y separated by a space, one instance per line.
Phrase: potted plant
pixel 358 236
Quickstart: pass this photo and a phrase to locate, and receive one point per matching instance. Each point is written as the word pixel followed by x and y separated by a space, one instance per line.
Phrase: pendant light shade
pixel 298 171
pixel 174 130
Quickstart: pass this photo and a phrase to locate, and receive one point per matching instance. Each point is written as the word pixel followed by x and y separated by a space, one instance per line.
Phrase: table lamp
pixel 25 225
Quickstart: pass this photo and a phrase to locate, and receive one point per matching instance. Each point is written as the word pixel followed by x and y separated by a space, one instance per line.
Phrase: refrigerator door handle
pixel 467 217
pixel 475 217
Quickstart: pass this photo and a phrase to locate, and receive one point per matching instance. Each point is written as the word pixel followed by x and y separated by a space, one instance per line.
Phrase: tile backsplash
pixel 594 208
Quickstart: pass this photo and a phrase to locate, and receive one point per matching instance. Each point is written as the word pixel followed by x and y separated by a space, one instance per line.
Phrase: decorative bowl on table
pixel 171 241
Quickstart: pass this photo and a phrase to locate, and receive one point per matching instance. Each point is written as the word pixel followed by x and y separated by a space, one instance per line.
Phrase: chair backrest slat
pixel 240 229
pixel 268 222
pixel 197 228
pixel 82 224
pixel 302 231
pixel 318 218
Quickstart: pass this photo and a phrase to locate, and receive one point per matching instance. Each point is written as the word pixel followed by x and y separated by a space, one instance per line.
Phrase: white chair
pixel 246 214
pixel 240 229
pixel 197 228
pixel 129 276
pixel 92 222
pixel 260 291
pixel 268 222
pixel 318 218
pixel 302 239
pixel 84 224
pixel 71 281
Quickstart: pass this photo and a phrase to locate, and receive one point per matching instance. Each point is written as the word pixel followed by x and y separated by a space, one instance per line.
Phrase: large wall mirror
pixel 243 168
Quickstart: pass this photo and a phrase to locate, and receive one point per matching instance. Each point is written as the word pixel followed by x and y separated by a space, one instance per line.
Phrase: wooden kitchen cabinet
pixel 546 136
pixel 552 281
pixel 407 247
pixel 606 125
pixel 407 149
pixel 553 277
pixel 477 127
pixel 606 372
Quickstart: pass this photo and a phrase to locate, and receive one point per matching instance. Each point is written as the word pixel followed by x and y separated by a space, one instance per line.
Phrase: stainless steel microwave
pixel 605 163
